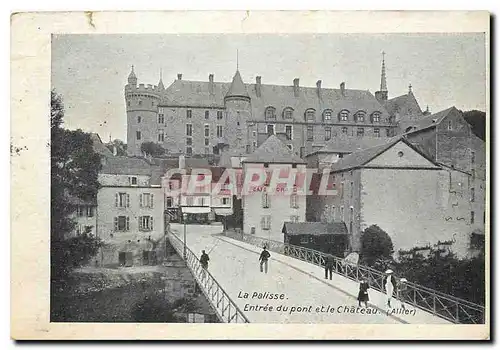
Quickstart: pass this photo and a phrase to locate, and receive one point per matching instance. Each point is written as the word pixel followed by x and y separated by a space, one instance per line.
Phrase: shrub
pixel 376 247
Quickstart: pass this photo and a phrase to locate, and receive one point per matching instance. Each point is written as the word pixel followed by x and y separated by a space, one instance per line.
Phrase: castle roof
pixel 350 144
pixel 237 88
pixel 99 146
pixel 185 93
pixel 126 166
pixel 404 104
pixel 273 151
pixel 429 121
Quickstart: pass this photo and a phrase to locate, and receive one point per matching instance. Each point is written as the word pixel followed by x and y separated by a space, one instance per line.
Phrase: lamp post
pixel 184 217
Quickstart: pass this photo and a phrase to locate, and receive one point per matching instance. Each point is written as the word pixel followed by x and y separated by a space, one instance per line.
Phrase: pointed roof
pixel 404 104
pixel 237 88
pixel 132 74
pixel 431 120
pixel 160 83
pixel 273 151
pixel 383 79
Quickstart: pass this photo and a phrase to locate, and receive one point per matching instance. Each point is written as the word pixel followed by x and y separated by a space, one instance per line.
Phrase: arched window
pixel 327 115
pixel 359 116
pixel 288 113
pixel 310 115
pixel 375 117
pixel 343 115
pixel 270 113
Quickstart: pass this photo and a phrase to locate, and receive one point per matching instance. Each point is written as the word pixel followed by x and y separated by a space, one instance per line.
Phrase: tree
pixel 477 120
pixel 121 147
pixel 376 245
pixel 74 171
pixel 152 149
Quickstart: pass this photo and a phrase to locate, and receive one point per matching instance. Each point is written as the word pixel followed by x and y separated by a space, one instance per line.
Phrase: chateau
pixel 195 117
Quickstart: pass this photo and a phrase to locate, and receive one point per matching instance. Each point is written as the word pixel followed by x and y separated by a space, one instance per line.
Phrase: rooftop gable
pixel 273 150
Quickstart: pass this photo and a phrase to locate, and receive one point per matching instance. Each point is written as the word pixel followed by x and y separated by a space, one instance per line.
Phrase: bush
pixel 152 149
pixel 376 247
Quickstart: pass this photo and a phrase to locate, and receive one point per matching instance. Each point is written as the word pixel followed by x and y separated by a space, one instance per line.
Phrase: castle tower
pixel 238 112
pixel 382 94
pixel 142 113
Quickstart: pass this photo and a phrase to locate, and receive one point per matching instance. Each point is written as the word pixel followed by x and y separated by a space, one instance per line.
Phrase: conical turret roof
pixel 237 88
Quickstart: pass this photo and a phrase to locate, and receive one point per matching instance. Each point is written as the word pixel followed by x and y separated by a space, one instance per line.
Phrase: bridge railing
pixel 439 304
pixel 226 309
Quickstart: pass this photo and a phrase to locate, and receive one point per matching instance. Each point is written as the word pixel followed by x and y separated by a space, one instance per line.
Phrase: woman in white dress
pixel 389 283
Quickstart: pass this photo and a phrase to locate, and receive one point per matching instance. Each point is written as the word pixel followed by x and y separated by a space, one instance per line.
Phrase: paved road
pixel 237 270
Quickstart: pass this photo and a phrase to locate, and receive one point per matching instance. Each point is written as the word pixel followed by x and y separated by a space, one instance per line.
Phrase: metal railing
pixel 226 309
pixel 448 307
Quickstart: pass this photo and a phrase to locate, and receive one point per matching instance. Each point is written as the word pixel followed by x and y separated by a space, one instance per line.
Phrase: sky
pixel 90 71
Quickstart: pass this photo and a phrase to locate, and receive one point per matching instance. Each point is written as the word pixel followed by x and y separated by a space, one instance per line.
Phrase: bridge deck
pixel 235 265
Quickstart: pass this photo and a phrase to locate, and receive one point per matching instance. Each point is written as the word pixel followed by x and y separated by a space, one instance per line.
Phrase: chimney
pixel 211 84
pixel 318 88
pixel 179 76
pixel 182 162
pixel 296 87
pixel 257 85
pixel 342 88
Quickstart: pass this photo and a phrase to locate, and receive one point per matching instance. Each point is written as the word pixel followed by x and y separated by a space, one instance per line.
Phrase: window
pixel 139 119
pixel 202 201
pixel 450 125
pixel 360 132
pixel 376 117
pixel 189 201
pixel 344 115
pixel 133 180
pixel 146 200
pixel 344 130
pixel 219 130
pixel 328 133
pixel 145 223
pixel 265 222
pixel 122 200
pixel 122 223
pixel 207 130
pixel 161 136
pixel 288 132
pixel 352 189
pixel 170 202
pixel 265 200
pixel 327 115
pixel 270 113
pixel 360 116
pixel 189 141
pixel 388 132
pixel 189 113
pixel 219 115
pixel 342 212
pixel 79 211
pixel 140 103
pixel 310 133
pixel 472 195
pixel 287 113
pixel 207 142
pixel 293 201
pixel 207 114
pixel 225 201
pixel 376 132
pixel 90 211
pixel 294 218
pixel 138 135
pixel 471 217
pixel 189 129
pixel 189 151
pixel 342 190
pixel 310 115
pixel 161 119
pixel 473 157
pixel 128 103
pixel 254 143
pixel 270 129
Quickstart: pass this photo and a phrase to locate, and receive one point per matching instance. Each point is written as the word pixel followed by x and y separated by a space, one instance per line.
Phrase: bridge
pixel 295 291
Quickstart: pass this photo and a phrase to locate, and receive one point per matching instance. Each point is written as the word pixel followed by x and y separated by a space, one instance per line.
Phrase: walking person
pixel 363 292
pixel 264 257
pixel 401 291
pixel 329 261
pixel 389 283
pixel 204 259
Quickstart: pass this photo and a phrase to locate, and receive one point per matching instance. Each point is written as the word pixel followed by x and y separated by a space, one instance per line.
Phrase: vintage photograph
pixel 274 178
pixel 268 178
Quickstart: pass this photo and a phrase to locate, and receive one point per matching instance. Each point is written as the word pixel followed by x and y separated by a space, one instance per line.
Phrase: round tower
pixel 238 112
pixel 141 102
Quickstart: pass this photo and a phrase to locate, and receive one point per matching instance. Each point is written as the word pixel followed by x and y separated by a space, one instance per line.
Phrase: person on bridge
pixel 363 292
pixel 389 283
pixel 204 260
pixel 401 291
pixel 264 257
pixel 329 261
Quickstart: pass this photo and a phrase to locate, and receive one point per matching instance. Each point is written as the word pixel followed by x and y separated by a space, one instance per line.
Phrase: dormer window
pixel 327 115
pixel 360 116
pixel 376 117
pixel 344 115
pixel 310 115
pixel 450 125
pixel 288 113
pixel 270 113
